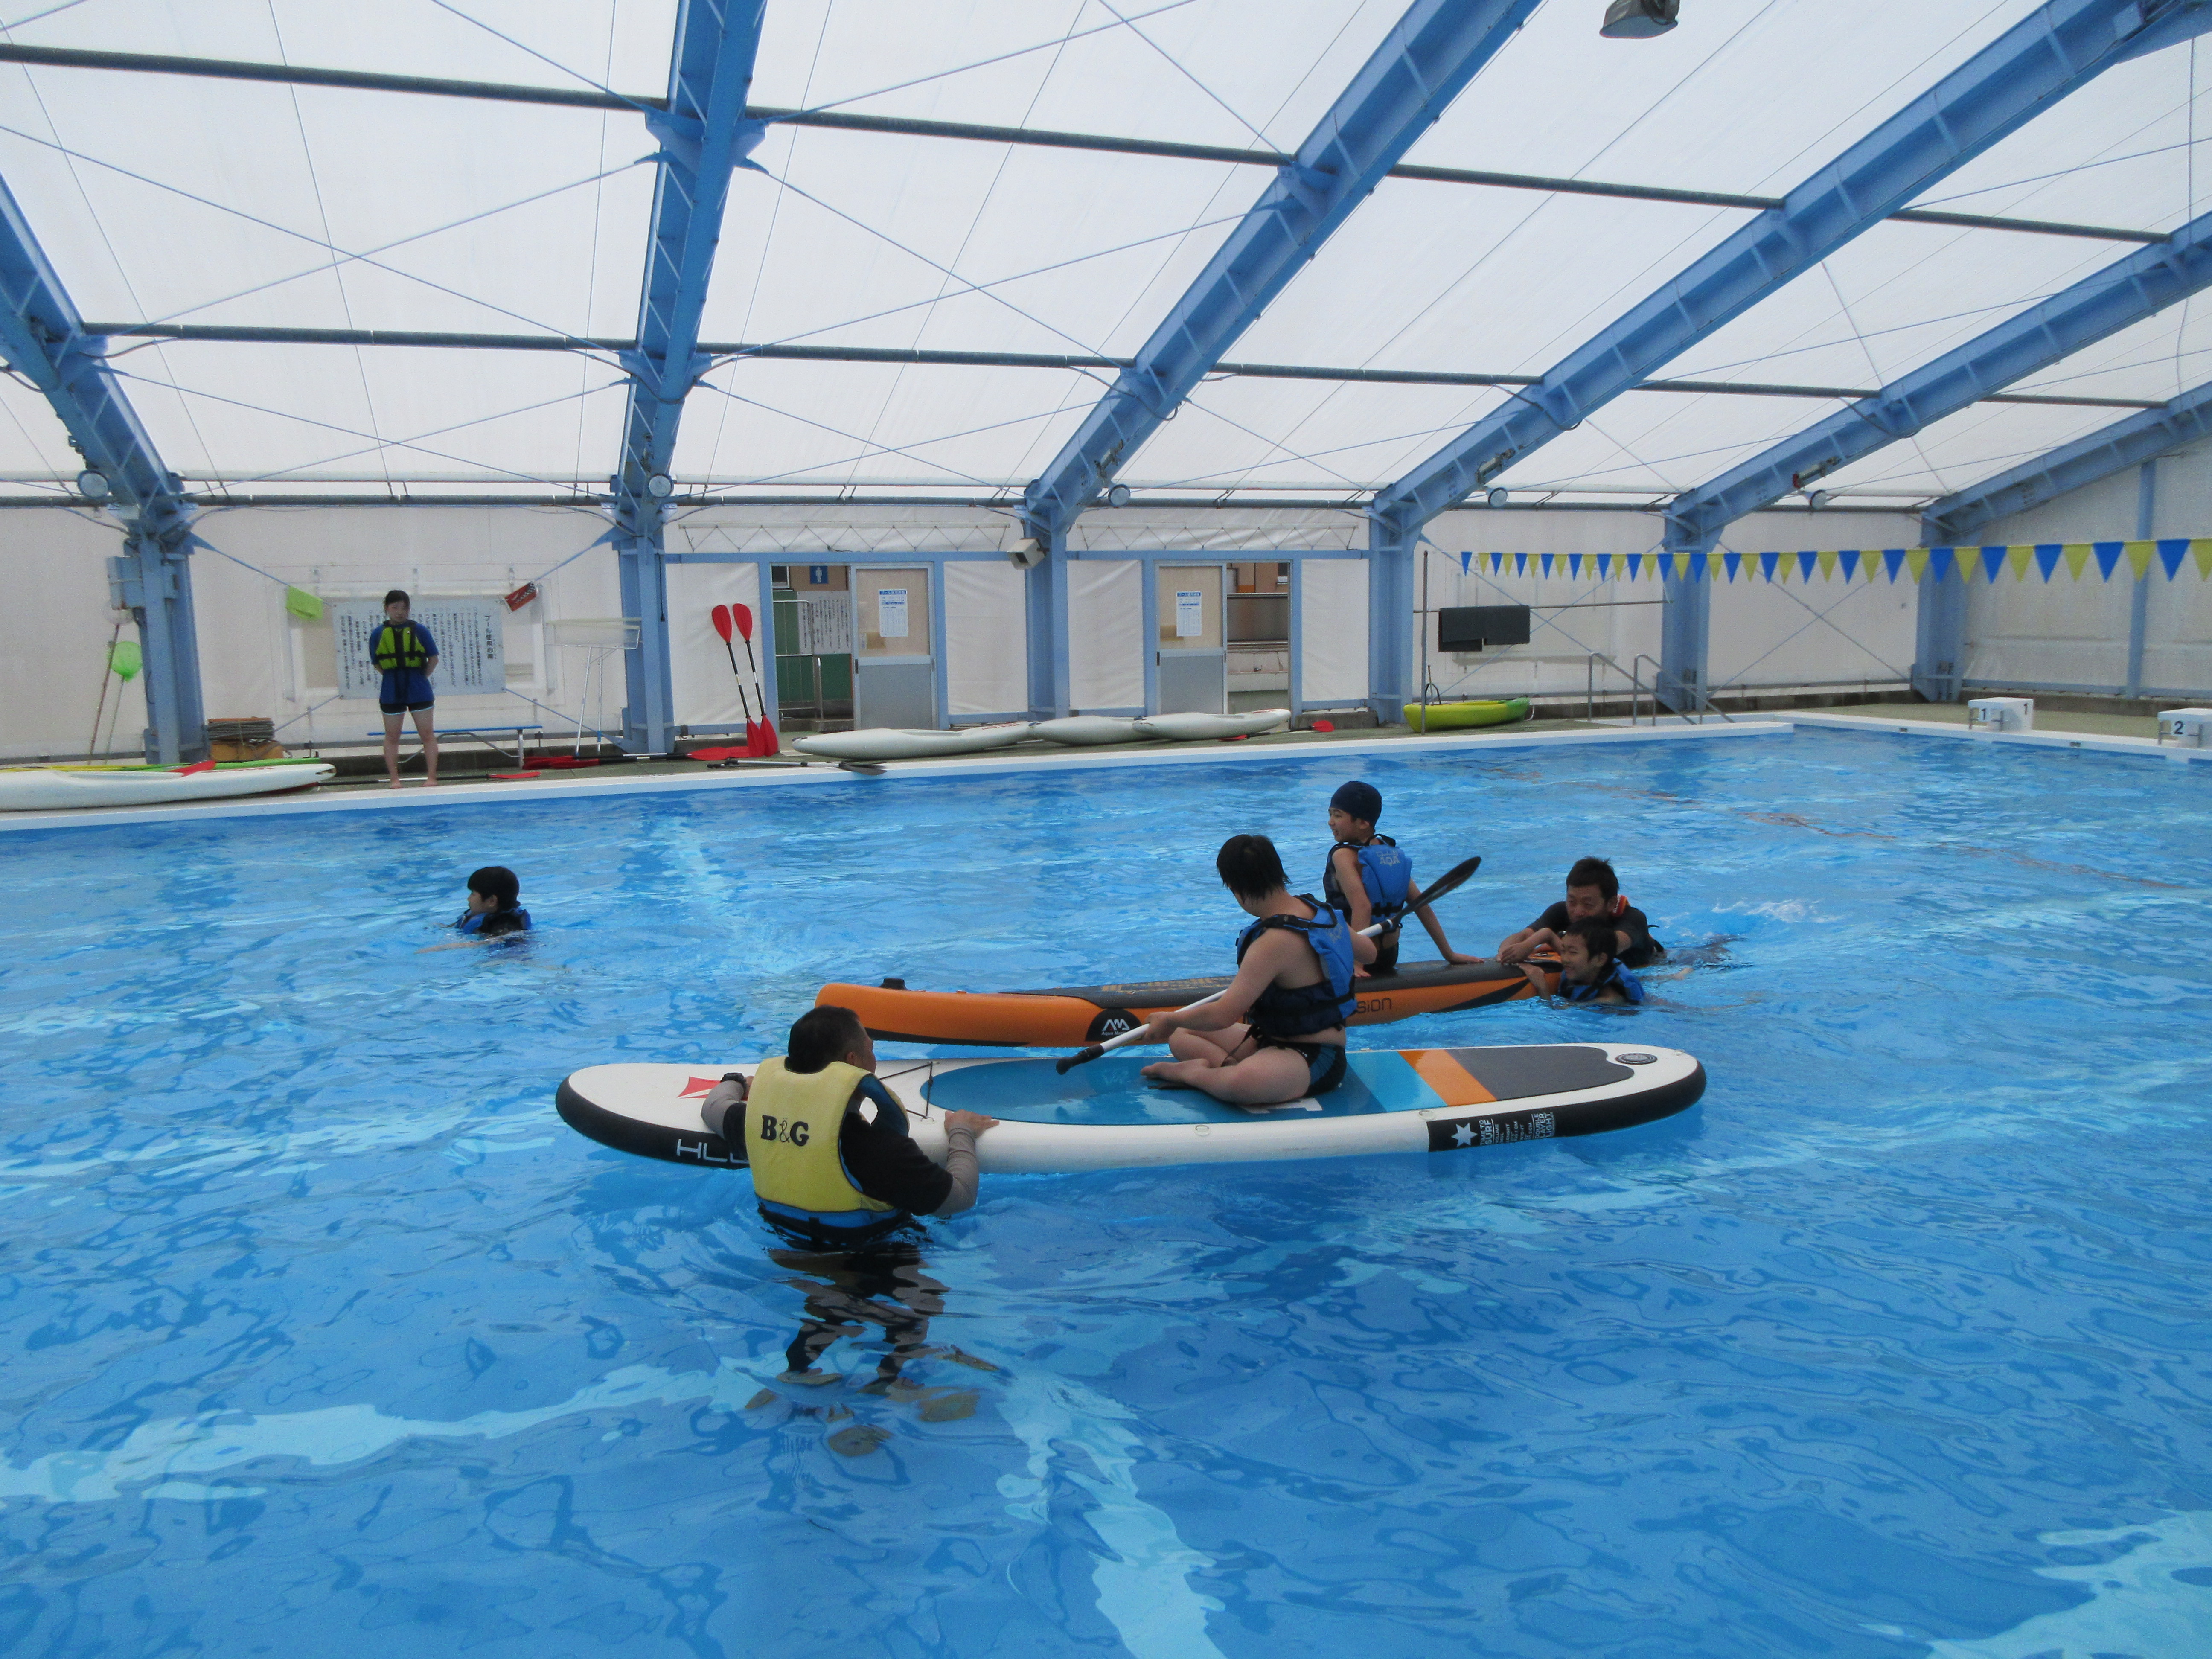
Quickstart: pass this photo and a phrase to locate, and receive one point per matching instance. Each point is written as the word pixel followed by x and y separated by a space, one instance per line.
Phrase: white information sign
pixel 825 624
pixel 469 635
pixel 1190 614
pixel 891 613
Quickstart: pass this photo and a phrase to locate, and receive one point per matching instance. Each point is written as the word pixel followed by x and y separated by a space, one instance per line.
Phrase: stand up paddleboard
pixel 45 789
pixel 1070 1017
pixel 1106 1117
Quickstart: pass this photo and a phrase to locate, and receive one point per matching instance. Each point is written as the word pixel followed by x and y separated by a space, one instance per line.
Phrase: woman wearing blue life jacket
pixel 1370 878
pixel 1277 1034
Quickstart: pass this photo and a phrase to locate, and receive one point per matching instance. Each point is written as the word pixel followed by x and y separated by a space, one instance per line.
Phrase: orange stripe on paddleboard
pixel 1454 1084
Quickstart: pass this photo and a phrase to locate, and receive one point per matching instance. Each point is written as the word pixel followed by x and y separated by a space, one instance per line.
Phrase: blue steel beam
pixel 45 340
pixel 2101 304
pixel 704 135
pixel 2186 420
pixel 2054 52
pixel 1436 49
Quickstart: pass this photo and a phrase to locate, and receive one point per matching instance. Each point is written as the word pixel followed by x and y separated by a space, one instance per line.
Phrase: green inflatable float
pixel 1464 716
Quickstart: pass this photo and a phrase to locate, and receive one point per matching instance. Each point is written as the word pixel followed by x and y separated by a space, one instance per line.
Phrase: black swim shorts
pixel 1325 1062
pixel 406 708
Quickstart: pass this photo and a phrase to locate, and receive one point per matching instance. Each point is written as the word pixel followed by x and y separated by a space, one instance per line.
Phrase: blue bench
pixel 518 735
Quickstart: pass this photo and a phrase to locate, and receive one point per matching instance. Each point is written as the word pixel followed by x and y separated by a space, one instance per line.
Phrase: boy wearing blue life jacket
pixel 403 651
pixel 1590 971
pixel 1277 1034
pixel 1370 878
pixel 494 904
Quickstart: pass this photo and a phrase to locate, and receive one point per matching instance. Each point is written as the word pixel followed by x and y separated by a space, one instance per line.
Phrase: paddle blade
pixel 722 622
pixel 743 616
pixel 770 743
pixel 195 767
pixel 1084 1057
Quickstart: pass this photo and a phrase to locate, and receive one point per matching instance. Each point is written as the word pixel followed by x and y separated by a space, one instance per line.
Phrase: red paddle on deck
pixel 743 616
pixel 721 615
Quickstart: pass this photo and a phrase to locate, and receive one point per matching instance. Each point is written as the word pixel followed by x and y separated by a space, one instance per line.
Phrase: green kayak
pixel 1461 716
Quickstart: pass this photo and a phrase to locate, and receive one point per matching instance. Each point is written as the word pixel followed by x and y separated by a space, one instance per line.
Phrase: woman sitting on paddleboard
pixel 1277 1034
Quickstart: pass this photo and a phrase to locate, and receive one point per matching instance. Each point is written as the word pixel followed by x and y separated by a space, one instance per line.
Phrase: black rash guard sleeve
pixel 881 1156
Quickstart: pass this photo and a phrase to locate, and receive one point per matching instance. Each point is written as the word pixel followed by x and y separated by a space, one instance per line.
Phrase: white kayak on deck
pixel 1106 1117
pixel 46 789
pixel 884 743
pixel 1195 728
pixel 1083 731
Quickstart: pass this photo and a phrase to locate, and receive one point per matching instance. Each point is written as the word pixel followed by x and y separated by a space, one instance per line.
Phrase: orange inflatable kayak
pixel 1068 1017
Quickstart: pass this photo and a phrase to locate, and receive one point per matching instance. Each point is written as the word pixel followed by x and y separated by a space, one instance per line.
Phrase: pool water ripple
pixel 322 1332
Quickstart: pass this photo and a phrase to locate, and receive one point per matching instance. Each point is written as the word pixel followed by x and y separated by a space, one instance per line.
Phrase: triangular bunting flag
pixel 1849 558
pixel 1917 560
pixel 2108 554
pixel 1805 563
pixel 2171 554
pixel 1731 560
pixel 1635 566
pixel 2077 558
pixel 1520 564
pixel 2139 557
pixel 1893 559
pixel 1700 565
pixel 1604 564
pixel 2021 557
pixel 2046 558
pixel 1546 558
pixel 1993 560
pixel 1668 570
pixel 2202 552
pixel 1768 564
pixel 1575 565
pixel 1465 561
pixel 1497 560
pixel 1936 562
pixel 1827 565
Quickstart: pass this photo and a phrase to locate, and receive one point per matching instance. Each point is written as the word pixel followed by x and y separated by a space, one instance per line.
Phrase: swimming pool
pixel 323 1334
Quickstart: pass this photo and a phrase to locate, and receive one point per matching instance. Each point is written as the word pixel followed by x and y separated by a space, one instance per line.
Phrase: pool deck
pixel 2103 733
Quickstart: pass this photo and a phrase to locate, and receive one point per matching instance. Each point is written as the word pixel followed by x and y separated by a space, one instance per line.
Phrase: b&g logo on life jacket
pixel 772 1128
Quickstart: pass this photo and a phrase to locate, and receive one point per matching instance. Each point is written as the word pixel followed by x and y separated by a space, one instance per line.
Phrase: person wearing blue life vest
pixel 403 652
pixel 1369 878
pixel 1277 1034
pixel 494 904
pixel 1589 969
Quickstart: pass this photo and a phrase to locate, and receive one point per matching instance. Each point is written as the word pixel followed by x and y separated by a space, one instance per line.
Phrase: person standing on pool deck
pixel 1593 890
pixel 1277 1034
pixel 1369 879
pixel 407 655
pixel 834 1167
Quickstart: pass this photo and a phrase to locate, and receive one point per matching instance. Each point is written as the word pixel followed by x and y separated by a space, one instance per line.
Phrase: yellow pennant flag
pixel 1915 561
pixel 1827 566
pixel 2139 554
pixel 2022 557
pixel 2077 557
pixel 2202 552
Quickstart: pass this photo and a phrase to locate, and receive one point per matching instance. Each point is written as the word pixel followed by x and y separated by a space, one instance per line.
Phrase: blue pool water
pixel 321 1334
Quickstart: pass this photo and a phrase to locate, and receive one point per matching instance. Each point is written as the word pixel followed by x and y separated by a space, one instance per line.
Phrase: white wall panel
pixel 1106 633
pixel 707 692
pixel 986 638
pixel 1332 630
pixel 54 565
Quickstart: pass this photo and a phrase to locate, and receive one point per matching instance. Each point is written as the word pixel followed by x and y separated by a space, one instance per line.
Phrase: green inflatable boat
pixel 1462 716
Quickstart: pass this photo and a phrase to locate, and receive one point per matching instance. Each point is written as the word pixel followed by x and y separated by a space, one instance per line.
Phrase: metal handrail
pixel 1635 687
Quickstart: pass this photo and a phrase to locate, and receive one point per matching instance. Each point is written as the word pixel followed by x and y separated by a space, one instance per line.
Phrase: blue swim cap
pixel 1363 801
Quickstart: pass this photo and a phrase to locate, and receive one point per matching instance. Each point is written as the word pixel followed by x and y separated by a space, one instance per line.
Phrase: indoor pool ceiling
pixel 178 200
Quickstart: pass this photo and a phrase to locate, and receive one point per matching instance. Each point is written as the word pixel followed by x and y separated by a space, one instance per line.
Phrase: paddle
pixel 743 616
pixel 721 616
pixel 1447 883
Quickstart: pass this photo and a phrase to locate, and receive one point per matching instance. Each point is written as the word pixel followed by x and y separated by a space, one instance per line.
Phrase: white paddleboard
pixel 1105 1116
pixel 1193 728
pixel 45 789
pixel 884 743
pixel 1082 731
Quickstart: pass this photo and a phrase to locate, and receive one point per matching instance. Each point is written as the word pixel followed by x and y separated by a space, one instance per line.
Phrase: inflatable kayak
pixel 1069 1017
pixel 886 742
pixel 1463 716
pixel 1193 728
pixel 1105 1116
pixel 45 789
pixel 1083 731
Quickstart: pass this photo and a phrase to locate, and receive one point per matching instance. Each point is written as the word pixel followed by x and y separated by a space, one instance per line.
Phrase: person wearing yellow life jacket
pixel 403 652
pixel 833 1166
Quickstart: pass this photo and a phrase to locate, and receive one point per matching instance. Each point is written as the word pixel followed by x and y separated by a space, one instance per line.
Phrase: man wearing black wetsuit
pixel 1593 891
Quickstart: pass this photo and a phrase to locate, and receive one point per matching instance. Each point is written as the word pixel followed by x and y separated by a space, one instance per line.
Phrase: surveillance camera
pixel 1026 555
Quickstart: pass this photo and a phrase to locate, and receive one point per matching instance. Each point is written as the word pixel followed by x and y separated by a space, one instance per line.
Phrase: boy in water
pixel 1593 890
pixel 1277 1034
pixel 406 654
pixel 1588 969
pixel 1369 879
pixel 494 904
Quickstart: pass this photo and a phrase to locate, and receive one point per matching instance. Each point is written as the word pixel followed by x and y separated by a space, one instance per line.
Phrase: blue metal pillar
pixel 43 339
pixel 1685 630
pixel 704 136
pixel 2139 600
pixel 2059 48
pixel 1939 657
pixel 1050 685
pixel 1391 603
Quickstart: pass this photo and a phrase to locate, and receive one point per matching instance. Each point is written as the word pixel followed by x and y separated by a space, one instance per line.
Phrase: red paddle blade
pixel 743 616
pixel 196 767
pixel 770 743
pixel 722 623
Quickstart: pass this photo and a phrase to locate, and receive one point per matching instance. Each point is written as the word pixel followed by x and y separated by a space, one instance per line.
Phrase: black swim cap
pixel 1363 801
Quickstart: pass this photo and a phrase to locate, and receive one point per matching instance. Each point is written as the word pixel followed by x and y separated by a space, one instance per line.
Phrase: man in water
pixel 1277 1034
pixel 1593 891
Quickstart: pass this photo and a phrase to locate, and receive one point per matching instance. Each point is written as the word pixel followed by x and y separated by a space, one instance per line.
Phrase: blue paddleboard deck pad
pixel 1107 1115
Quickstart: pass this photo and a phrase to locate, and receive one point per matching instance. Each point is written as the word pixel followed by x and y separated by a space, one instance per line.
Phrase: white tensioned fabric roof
pixel 172 199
